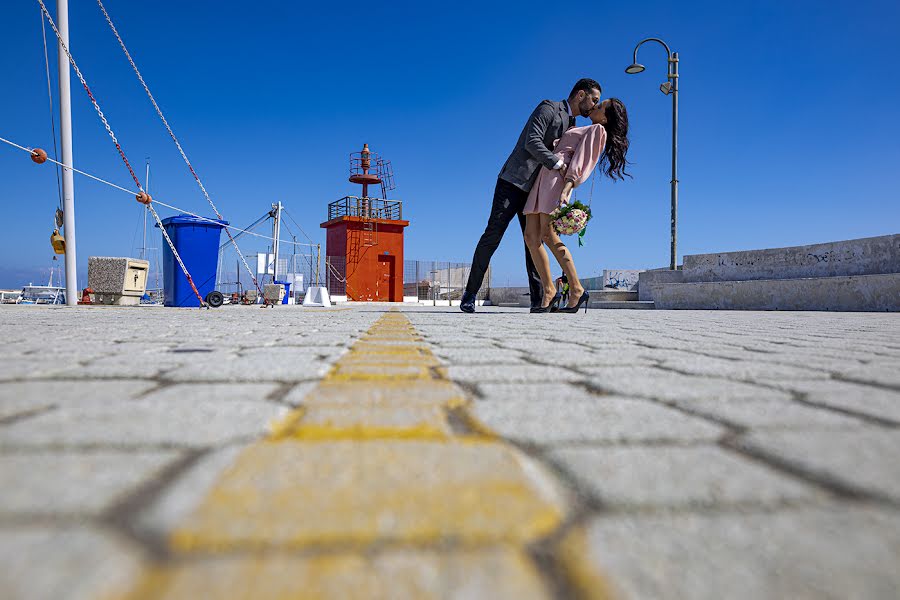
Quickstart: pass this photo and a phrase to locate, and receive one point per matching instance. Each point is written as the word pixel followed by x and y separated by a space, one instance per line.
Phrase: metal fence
pixel 301 270
pixel 436 280
pixel 425 280
pixel 335 275
pixel 366 208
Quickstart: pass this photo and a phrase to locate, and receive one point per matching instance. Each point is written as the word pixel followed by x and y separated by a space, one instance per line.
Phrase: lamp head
pixel 666 88
pixel 634 68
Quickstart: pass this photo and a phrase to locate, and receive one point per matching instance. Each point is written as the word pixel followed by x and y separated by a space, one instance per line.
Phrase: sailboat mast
pixel 65 130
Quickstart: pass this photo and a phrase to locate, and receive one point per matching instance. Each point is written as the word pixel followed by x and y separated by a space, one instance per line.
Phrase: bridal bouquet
pixel 571 219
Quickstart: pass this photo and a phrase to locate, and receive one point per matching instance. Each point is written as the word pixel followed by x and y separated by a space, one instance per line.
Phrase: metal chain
pixel 52 120
pixel 177 143
pixel 109 130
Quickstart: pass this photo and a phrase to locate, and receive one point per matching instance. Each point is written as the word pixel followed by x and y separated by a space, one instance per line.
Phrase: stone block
pixel 675 477
pixel 117 280
pixel 550 414
pixel 392 574
pixel 76 563
pixel 73 483
pixel 858 398
pixel 649 382
pixel 291 494
pixel 864 459
pixel 822 553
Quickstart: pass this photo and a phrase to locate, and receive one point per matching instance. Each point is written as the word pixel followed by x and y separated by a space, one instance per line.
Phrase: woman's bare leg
pixel 563 257
pixel 534 241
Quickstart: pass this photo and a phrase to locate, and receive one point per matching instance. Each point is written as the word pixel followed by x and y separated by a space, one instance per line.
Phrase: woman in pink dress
pixel 605 142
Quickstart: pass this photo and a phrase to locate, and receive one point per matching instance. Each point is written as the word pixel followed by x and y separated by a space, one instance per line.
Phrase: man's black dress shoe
pixel 467 304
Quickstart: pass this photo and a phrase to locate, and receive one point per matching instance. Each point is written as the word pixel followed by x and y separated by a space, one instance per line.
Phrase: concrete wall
pixel 866 256
pixel 648 280
pixel 509 296
pixel 855 293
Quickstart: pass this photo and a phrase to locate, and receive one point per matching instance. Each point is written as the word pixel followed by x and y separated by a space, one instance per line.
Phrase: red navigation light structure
pixel 364 243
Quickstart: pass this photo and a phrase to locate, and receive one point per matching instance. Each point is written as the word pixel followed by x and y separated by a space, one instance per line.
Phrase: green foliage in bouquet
pixel 565 209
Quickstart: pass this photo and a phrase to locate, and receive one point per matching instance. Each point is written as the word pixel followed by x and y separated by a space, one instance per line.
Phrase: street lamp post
pixel 670 87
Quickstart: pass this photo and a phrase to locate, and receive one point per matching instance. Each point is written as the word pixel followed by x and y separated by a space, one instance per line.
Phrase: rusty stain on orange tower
pixel 364 235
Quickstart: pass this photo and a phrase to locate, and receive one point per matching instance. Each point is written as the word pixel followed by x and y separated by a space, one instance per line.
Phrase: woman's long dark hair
pixel 616 140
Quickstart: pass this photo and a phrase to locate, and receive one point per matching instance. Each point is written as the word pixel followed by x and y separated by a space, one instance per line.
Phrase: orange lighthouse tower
pixel 364 236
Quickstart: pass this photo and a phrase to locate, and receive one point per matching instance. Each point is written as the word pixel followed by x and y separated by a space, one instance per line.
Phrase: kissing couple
pixel 536 180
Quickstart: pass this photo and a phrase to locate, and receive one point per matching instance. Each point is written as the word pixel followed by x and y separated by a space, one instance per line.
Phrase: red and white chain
pixel 112 135
pixel 175 139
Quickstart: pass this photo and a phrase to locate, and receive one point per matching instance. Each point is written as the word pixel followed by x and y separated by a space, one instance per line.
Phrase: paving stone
pixel 248 369
pixel 394 574
pixel 292 494
pixel 770 413
pixel 859 398
pixel 478 355
pixel 76 563
pixel 667 476
pixel 865 459
pixel 179 422
pixel 511 373
pixel 19 368
pixel 186 393
pixel 57 483
pixel 741 370
pixel 542 413
pixel 382 393
pixel 665 385
pixel 144 366
pixel 12 408
pixel 66 393
pixel 881 372
pixel 343 422
pixel 821 553
pixel 161 514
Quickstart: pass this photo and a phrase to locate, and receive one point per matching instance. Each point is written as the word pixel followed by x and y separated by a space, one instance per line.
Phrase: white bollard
pixel 317 296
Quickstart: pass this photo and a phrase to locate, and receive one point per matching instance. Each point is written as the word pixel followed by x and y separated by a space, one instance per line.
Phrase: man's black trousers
pixel 508 203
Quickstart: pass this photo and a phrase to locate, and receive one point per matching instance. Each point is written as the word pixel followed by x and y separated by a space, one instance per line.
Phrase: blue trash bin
pixel 197 242
pixel 287 291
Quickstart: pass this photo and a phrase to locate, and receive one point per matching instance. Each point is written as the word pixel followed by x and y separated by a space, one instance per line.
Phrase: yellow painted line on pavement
pixel 389 575
pixel 370 457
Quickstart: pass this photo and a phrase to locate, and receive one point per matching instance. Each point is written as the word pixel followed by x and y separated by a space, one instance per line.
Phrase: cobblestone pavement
pixel 371 452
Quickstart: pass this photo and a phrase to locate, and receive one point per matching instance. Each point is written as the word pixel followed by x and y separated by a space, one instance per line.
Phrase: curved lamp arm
pixel 664 45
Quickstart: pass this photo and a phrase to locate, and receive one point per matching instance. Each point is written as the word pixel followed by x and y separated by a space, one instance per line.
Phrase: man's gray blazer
pixel 545 125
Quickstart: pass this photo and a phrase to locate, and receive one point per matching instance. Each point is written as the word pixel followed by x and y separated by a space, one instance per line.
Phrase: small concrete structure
pixel 317 296
pixel 117 280
pixel 621 279
pixel 852 275
pixel 273 293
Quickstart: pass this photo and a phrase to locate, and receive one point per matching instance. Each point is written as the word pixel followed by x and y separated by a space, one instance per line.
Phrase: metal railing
pixel 366 208
pixel 426 280
pixel 437 280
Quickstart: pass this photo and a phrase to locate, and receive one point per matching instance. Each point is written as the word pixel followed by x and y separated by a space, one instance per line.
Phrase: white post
pixel 65 132
pixel 275 243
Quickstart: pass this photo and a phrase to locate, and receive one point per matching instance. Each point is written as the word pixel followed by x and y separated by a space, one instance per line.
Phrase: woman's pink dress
pixel 580 148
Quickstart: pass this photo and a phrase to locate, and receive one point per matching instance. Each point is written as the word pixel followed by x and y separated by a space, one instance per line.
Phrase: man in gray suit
pixel 545 125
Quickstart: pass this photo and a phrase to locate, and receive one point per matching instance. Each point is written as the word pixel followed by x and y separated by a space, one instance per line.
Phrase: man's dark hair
pixel 587 85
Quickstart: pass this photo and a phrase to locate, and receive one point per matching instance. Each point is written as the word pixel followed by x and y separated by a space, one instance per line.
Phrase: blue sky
pixel 788 124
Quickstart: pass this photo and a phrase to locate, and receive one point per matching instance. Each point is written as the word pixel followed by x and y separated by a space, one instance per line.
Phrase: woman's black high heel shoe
pixel 552 307
pixel 554 304
pixel 585 298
